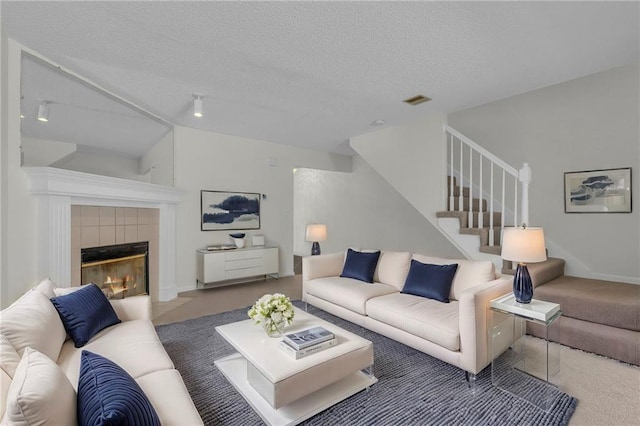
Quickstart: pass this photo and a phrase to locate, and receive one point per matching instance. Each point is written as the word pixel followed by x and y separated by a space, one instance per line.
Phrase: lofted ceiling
pixel 314 74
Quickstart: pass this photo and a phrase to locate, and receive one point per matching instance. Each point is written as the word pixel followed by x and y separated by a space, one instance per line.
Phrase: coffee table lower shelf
pixel 234 368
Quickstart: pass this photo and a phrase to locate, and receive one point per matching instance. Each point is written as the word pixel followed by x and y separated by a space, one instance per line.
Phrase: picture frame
pixel 224 210
pixel 598 191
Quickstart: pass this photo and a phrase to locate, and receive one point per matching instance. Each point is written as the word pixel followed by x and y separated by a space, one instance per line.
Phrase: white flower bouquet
pixel 274 312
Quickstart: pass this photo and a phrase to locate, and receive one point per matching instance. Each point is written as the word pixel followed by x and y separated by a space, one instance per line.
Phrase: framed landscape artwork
pixel 220 210
pixel 598 191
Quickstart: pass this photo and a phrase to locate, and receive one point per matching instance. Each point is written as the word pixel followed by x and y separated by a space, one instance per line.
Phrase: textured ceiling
pixel 314 74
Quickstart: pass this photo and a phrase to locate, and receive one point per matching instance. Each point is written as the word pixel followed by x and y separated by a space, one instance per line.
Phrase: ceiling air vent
pixel 417 100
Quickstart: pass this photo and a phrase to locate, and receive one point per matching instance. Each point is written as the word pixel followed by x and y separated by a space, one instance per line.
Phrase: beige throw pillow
pixel 40 393
pixel 393 268
pixel 33 321
pixel 9 360
pixel 47 287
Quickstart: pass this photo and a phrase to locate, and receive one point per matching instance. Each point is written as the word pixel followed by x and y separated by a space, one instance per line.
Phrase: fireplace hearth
pixel 120 270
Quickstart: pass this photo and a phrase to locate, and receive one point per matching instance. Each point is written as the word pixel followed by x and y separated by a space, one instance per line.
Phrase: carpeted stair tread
pixel 476 203
pixel 497 250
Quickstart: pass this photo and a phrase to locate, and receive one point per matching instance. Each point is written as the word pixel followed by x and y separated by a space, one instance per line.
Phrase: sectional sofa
pixel 40 366
pixel 453 329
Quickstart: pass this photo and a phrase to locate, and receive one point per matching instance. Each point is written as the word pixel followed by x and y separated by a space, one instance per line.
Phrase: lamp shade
pixel 316 232
pixel 523 245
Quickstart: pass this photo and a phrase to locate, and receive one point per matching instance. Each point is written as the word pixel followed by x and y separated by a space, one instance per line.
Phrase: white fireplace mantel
pixel 57 189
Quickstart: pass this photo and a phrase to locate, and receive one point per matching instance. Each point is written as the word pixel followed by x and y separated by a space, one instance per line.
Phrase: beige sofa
pixel 33 322
pixel 455 332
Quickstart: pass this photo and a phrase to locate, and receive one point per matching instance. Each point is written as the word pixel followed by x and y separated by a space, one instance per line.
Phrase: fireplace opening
pixel 119 270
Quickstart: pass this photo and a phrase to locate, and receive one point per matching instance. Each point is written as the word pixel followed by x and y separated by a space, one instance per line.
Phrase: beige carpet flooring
pixel 608 391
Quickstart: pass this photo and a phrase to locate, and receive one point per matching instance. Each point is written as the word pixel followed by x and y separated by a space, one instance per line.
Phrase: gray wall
pixel 361 209
pixel 583 124
pixel 214 161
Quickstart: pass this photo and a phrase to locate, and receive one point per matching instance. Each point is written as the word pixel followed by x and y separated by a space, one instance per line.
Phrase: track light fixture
pixel 197 105
pixel 43 112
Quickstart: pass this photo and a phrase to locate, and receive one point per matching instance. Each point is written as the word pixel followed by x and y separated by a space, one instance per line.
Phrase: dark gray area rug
pixel 413 388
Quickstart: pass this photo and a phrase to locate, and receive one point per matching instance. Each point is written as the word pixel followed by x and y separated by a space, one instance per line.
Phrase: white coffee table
pixel 286 391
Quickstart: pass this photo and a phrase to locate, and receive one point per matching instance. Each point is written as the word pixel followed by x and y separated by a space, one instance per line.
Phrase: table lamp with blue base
pixel 523 245
pixel 316 232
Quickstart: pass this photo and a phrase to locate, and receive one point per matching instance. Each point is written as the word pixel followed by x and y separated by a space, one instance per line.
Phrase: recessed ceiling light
pixel 377 123
pixel 417 100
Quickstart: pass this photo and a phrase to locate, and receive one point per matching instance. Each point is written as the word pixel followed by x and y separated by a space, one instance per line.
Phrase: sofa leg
pixel 471 382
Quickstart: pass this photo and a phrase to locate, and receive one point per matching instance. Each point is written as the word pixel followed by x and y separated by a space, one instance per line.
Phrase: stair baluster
pixel 471 180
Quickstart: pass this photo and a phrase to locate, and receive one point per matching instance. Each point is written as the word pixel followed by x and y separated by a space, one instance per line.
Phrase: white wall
pixel 584 124
pixel 158 162
pixel 361 209
pixel 4 144
pixel 42 153
pixel 19 268
pixel 212 161
pixel 411 159
pixel 102 163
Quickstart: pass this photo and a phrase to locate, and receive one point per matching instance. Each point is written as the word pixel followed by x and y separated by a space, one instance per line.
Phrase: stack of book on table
pixel 307 342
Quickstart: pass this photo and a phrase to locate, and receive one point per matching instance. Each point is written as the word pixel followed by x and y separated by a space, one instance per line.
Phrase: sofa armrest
pixel 132 308
pixel 322 265
pixel 475 320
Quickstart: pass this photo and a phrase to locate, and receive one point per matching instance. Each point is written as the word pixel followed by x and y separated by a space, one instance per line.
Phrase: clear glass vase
pixel 274 328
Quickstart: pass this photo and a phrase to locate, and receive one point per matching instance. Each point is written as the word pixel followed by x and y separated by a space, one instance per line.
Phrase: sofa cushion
pixel 393 267
pixel 124 344
pixel 430 281
pixel 346 292
pixel 426 318
pixel 32 321
pixel 40 393
pixel 108 395
pixel 46 286
pixel 168 395
pixel 5 382
pixel 360 265
pixel 84 313
pixel 9 360
pixel 470 273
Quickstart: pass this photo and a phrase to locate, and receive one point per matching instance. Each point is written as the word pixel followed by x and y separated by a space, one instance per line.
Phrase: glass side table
pixel 526 356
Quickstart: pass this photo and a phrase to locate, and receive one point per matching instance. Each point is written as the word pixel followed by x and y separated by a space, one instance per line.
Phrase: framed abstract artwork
pixel 221 210
pixel 598 191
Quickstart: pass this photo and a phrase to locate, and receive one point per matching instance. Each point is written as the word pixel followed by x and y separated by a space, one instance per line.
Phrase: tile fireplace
pixel 57 191
pixel 120 270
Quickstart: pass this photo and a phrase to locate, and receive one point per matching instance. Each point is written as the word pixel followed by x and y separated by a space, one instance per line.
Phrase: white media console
pixel 224 267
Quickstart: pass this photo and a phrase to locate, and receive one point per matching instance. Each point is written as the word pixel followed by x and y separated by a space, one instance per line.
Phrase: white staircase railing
pixel 469 169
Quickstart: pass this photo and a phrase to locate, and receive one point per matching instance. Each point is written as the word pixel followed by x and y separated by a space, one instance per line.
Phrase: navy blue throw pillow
pixel 360 265
pixel 84 313
pixel 430 281
pixel 108 395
